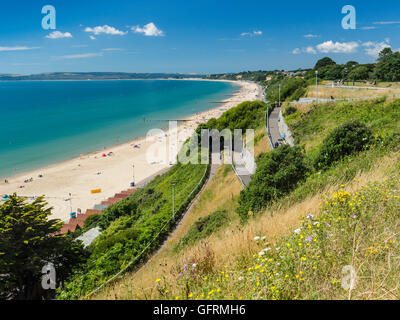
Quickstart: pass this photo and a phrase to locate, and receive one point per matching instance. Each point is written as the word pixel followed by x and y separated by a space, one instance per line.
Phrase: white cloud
pixel 92 37
pixel 374 48
pixel 329 47
pixel 250 34
pixel 296 51
pixel 112 49
pixel 387 22
pixel 19 64
pixel 310 36
pixel 338 47
pixel 59 35
pixel 105 29
pixel 17 48
pixel 310 50
pixel 81 56
pixel 149 30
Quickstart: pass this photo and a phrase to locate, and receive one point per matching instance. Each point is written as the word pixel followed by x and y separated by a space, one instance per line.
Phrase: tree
pixel 27 244
pixel 323 63
pixel 388 66
pixel 385 53
pixel 331 72
pixel 351 64
pixel 359 73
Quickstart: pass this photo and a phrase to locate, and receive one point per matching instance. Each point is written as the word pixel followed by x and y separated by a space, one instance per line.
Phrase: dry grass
pixel 263 144
pixel 301 107
pixel 227 246
pixel 235 243
pixel 342 93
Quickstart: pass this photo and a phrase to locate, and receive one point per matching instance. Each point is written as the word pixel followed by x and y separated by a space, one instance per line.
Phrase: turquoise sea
pixel 44 122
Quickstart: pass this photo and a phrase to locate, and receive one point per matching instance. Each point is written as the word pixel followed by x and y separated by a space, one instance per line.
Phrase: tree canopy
pixel 27 244
pixel 388 66
pixel 323 63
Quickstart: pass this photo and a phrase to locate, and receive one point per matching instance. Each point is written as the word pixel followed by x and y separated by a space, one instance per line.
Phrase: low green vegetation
pixel 247 115
pixel 289 110
pixel 136 225
pixel 278 172
pixel 203 228
pixel 310 128
pixel 347 139
pixel 339 141
pixel 292 88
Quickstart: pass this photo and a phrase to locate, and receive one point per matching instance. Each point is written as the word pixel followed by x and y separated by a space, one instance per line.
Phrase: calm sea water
pixel 47 122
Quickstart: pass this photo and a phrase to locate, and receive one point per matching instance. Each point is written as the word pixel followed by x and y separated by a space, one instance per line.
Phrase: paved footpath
pixel 279 131
pixel 274 126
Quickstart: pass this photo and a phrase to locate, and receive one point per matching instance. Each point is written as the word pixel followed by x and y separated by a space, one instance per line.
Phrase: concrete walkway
pixel 275 134
pixel 278 130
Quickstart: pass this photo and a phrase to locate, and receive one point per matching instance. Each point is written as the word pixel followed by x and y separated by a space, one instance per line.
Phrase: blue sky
pixel 190 36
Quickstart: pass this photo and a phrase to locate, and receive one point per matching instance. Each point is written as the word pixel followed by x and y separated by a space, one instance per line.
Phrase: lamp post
pixel 70 202
pixel 267 119
pixel 316 82
pixel 279 95
pixel 173 199
pixel 72 214
pixel 133 174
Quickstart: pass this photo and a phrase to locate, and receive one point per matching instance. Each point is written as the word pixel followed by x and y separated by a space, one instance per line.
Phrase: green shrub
pixel 247 115
pixel 203 228
pixel 351 137
pixel 291 89
pixel 123 207
pixel 300 92
pixel 110 236
pixel 278 172
pixel 290 110
pixel 92 221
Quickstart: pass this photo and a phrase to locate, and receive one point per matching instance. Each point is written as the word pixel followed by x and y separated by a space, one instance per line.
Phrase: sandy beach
pixel 112 173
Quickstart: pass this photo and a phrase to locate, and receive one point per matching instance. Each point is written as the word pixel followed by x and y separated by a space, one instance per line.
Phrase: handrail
pixel 267 128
